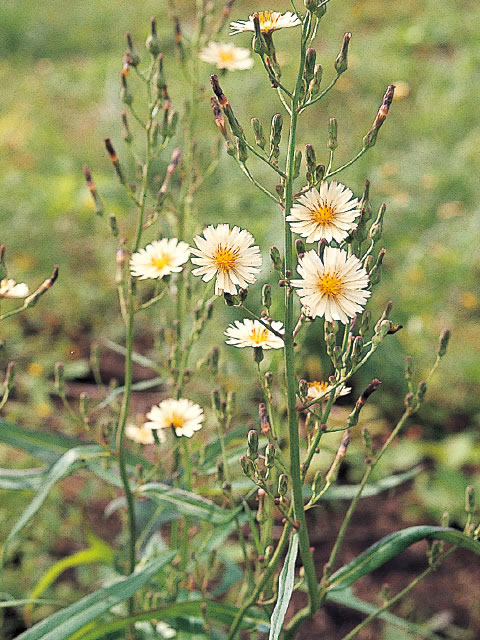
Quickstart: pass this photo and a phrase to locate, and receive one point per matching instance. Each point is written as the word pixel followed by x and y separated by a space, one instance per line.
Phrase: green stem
pixel 291 383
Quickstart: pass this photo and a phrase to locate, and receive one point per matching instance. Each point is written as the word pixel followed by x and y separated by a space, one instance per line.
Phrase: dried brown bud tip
pixel 217 89
pixel 110 150
pixel 373 386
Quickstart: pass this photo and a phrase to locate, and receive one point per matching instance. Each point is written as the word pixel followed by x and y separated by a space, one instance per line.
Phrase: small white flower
pixel 159 259
pixel 318 388
pixel 182 415
pixel 227 56
pixel 165 630
pixel 9 289
pixel 334 288
pixel 269 21
pixel 140 434
pixel 252 333
pixel 228 254
pixel 328 213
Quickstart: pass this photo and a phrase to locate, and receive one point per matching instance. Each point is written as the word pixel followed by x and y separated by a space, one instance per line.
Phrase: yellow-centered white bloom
pixel 182 415
pixel 141 434
pixel 252 333
pixel 334 288
pixel 269 21
pixel 318 388
pixel 328 213
pixel 9 289
pixel 227 56
pixel 227 254
pixel 159 259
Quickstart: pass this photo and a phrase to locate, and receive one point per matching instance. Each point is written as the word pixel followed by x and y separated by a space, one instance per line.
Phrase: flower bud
pixel 365 323
pixel 213 359
pixel 248 467
pixel 133 57
pixel 267 296
pixel 231 401
pixel 252 444
pixel 319 173
pixel 258 133
pixel 126 133
pixel 341 63
pixel 263 416
pixel 421 391
pixel 258 43
pixel 257 354
pixel 470 499
pixel 276 135
pixel 337 357
pixel 216 401
pixel 59 378
pixel 316 82
pixel 242 294
pixel 377 227
pixel 332 134
pixel 309 72
pixel 331 343
pixel 443 343
pixel 242 151
pixel 318 483
pixel 357 350
pixel 152 43
pixel 282 485
pixel 310 160
pixel 410 401
pixel 302 388
pixel 276 258
pixel 297 164
pixel 230 300
pixel 370 139
pixel 269 455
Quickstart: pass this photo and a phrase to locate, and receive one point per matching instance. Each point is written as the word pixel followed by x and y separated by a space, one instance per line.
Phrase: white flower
pixel 165 630
pixel 227 56
pixel 226 253
pixel 334 288
pixel 182 415
pixel 269 21
pixel 9 289
pixel 252 333
pixel 140 434
pixel 159 259
pixel 328 213
pixel 318 388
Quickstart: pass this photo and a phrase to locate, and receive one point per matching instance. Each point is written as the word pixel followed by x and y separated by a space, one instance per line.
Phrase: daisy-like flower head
pixel 252 333
pixel 269 21
pixel 328 213
pixel 141 434
pixel 227 56
pixel 9 289
pixel 182 415
pixel 159 259
pixel 334 288
pixel 318 388
pixel 227 254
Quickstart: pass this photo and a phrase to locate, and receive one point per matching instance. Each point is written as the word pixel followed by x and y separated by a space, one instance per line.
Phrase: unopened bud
pixel 302 388
pixel 443 343
pixel 316 82
pixel 309 72
pixel 269 455
pixel 257 354
pixel 341 63
pixel 242 294
pixel 153 43
pixel 282 485
pixel 242 150
pixel 59 372
pixel 332 134
pixel 300 247
pixel 263 416
pixel 276 258
pixel 318 483
pixel 258 133
pixel 252 444
pixel 267 296
pixel 370 139
pixel 421 391
pixel 268 377
pixel 216 401
pixel 248 467
pixel 470 499
pixel 213 360
pixel 297 164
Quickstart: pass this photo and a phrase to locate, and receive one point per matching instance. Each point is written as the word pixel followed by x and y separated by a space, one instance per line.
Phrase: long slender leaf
pixel 218 611
pixel 64 623
pixel 61 468
pixel 189 504
pixel 143 385
pixel 47 447
pixel 347 599
pixel 349 491
pixel 21 479
pixel 285 589
pixel 391 546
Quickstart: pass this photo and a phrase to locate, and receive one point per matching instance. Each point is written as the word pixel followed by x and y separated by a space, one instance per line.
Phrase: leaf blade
pixel 285 589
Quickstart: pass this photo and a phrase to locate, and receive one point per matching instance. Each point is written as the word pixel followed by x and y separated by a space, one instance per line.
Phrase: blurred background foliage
pixel 60 69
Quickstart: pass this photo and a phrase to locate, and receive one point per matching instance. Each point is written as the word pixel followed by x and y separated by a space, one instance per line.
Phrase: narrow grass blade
pixel 285 589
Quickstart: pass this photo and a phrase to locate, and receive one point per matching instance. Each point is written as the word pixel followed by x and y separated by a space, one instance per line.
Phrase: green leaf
pixel 64 466
pixel 21 479
pixel 143 385
pixel 347 599
pixel 189 504
pixel 391 546
pixel 47 447
pixel 285 589
pixel 62 624
pixel 97 551
pixel 348 492
pixel 218 611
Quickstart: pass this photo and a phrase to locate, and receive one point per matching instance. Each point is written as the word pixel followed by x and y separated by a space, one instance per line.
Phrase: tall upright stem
pixel 295 472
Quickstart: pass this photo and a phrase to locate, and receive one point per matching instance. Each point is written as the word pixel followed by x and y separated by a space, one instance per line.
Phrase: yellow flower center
pixel 176 421
pixel 226 57
pixel 318 386
pixel 225 259
pixel 330 285
pixel 268 21
pixel 323 214
pixel 160 262
pixel 258 336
